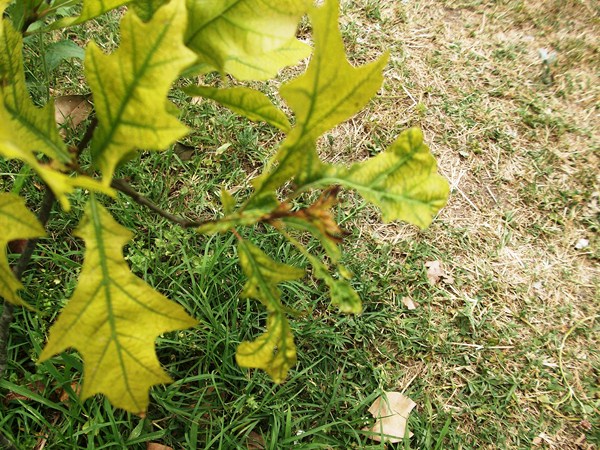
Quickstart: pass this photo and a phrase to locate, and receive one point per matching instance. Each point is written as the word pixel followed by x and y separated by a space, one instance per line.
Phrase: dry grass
pixel 519 142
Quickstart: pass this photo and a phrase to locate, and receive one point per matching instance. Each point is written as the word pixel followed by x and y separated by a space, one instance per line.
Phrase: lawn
pixel 500 351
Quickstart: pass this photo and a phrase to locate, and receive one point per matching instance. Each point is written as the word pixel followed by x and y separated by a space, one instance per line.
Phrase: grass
pixel 506 356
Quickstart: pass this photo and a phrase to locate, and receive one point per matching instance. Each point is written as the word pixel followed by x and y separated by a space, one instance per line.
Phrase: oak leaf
pixel 130 86
pixel 90 9
pixel 26 130
pixel 249 39
pixel 328 93
pixel 113 319
pixel 273 351
pixel 402 181
pixel 16 222
pixel 391 411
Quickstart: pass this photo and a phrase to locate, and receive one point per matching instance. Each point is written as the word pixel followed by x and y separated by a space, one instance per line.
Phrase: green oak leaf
pixel 16 222
pixel 26 130
pixel 402 181
pixel 329 92
pixel 273 351
pixel 113 318
pixel 249 39
pixel 247 102
pixel 329 245
pixel 90 10
pixel 130 86
pixel 343 295
pixel 341 292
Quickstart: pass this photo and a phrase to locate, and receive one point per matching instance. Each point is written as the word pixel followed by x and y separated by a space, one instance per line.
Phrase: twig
pixel 87 137
pixel 122 186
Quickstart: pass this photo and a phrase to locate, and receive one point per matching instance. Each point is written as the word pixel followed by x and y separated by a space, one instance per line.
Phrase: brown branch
pixel 124 187
pixel 87 137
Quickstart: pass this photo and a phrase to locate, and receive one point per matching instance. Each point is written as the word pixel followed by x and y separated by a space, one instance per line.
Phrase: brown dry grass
pixel 519 144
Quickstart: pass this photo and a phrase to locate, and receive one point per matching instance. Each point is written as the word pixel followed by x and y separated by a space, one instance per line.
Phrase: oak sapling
pixel 114 317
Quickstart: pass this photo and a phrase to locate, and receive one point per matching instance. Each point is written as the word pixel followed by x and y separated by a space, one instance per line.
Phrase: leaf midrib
pixel 105 283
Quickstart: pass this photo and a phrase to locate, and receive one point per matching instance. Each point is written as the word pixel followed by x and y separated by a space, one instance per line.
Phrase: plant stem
pixel 87 137
pixel 124 187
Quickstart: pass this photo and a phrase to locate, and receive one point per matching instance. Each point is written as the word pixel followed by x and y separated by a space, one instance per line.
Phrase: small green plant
pixel 113 317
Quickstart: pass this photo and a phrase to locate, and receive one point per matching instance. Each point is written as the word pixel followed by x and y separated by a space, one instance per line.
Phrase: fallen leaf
pixel 223 148
pixel 391 410
pixel 582 243
pixel 64 395
pixel 72 109
pixel 409 303
pixel 36 387
pixel 157 446
pixel 185 152
pixel 542 438
pixel 255 441
pixel 435 273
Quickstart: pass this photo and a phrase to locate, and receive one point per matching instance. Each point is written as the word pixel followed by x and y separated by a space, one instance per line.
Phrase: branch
pixel 122 186
pixel 87 137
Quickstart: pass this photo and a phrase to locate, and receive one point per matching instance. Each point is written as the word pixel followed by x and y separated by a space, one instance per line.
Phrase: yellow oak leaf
pixel 130 86
pixel 26 130
pixel 330 91
pixel 249 39
pixel 113 318
pixel 16 222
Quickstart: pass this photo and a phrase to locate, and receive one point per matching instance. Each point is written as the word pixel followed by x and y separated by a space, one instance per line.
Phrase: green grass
pixel 504 357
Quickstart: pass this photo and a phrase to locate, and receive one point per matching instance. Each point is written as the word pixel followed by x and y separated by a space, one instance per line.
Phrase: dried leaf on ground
pixel 435 273
pixel 157 446
pixel 36 387
pixel 184 152
pixel 72 109
pixel 391 410
pixel 409 303
pixel 255 441
pixel 64 395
